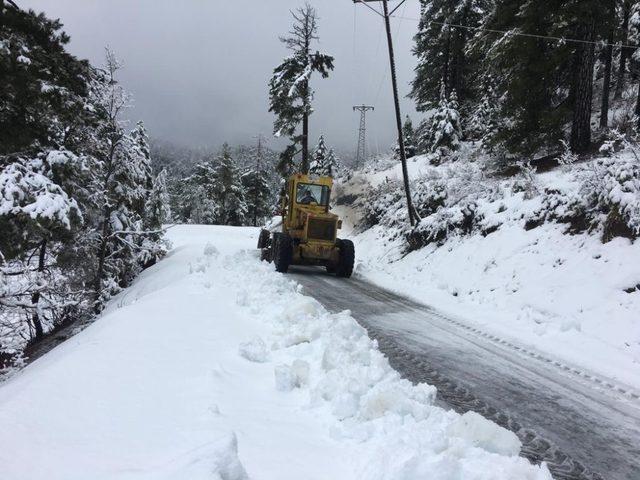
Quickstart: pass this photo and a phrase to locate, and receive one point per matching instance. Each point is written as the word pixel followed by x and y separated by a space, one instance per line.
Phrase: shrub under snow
pixel 457 198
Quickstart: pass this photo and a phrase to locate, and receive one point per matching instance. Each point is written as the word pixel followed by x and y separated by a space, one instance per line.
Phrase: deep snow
pixel 214 366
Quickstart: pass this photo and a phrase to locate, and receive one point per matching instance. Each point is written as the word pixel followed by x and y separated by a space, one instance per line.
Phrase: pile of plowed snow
pixel 214 366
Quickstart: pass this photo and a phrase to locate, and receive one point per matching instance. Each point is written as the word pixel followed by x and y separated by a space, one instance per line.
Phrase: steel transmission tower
pixel 361 154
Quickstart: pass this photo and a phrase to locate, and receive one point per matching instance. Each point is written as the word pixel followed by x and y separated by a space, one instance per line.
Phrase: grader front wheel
pixel 346 259
pixel 282 252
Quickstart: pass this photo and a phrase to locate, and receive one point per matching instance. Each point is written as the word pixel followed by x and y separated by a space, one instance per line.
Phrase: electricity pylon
pixel 361 154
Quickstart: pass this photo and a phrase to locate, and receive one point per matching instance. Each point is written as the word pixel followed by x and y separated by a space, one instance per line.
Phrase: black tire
pixel 263 238
pixel 347 258
pixel 331 268
pixel 282 252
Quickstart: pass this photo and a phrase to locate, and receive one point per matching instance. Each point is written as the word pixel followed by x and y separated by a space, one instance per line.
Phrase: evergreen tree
pixel 324 160
pixel 198 200
pixel 229 191
pixel 483 122
pixel 120 187
pixel 332 163
pixel 624 13
pixel 410 139
pixel 158 209
pixel 446 131
pixel 319 156
pixel 634 37
pixel 44 88
pixel 543 84
pixel 36 214
pixel 442 50
pixel 290 93
pixel 259 195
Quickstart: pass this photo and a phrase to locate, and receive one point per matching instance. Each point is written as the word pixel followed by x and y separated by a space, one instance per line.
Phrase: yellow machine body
pixel 307 220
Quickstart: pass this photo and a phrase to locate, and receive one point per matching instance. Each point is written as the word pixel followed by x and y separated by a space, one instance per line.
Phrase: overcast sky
pixel 199 69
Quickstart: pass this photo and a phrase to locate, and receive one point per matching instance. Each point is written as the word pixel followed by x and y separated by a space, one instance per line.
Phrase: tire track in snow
pixel 578 422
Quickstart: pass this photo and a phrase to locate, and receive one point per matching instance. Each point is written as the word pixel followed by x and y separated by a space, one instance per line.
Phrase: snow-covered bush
pixel 611 188
pixel 383 206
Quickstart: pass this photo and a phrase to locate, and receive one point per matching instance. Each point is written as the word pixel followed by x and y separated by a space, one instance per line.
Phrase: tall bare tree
pixel 290 92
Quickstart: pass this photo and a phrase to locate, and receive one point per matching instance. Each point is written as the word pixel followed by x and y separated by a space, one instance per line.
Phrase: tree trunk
pixel 637 112
pixel 583 92
pixel 305 139
pixel 624 51
pixel 606 81
pixel 35 298
pixel 446 66
pixel 102 255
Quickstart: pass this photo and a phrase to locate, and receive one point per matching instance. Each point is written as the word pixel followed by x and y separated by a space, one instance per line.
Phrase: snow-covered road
pixel 213 366
pixel 556 409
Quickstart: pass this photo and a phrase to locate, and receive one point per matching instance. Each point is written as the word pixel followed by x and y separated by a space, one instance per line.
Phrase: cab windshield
pixel 310 194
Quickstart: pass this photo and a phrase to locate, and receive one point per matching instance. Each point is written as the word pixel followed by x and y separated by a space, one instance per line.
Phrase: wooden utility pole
pixel 413 217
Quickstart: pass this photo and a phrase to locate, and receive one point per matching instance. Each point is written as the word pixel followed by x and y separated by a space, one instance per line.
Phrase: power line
pixel 519 34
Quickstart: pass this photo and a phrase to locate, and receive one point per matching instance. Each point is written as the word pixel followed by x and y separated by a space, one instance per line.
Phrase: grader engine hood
pixel 321 227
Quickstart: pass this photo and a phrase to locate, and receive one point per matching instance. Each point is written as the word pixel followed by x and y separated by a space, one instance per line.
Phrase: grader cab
pixel 308 235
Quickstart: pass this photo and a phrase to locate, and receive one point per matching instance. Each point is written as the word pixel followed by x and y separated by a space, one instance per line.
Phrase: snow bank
pixel 214 366
pixel 568 295
pixel 392 426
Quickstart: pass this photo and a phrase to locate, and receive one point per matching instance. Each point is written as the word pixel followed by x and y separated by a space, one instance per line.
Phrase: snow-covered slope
pixel 213 366
pixel 571 296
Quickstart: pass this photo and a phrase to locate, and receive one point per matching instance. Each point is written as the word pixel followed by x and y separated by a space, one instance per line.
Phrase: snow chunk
pixel 476 430
pixel 227 462
pixel 292 376
pixel 254 350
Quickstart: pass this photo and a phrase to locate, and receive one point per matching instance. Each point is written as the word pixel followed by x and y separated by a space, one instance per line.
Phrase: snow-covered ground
pixel 212 366
pixel 570 296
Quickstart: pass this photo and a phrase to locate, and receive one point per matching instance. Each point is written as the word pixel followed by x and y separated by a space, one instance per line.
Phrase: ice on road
pixel 213 366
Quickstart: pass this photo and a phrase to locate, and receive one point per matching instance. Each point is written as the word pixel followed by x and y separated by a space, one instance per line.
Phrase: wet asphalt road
pixel 583 425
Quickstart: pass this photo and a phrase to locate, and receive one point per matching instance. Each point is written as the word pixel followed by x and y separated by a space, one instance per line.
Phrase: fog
pixel 199 69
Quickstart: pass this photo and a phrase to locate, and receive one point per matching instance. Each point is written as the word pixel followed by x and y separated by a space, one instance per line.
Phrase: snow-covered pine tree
pixel 446 130
pixel 259 195
pixel 290 93
pixel 230 195
pixel 324 161
pixel 157 212
pixel 318 158
pixel 332 163
pixel 624 13
pixel 634 38
pixel 121 181
pixel 44 88
pixel 543 85
pixel 158 209
pixel 197 199
pixel 410 139
pixel 482 123
pixel 36 215
pixel 442 51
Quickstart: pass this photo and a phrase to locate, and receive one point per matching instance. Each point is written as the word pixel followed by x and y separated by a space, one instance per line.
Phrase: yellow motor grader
pixel 308 235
